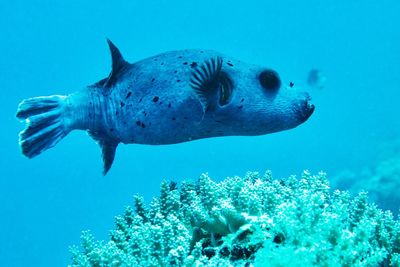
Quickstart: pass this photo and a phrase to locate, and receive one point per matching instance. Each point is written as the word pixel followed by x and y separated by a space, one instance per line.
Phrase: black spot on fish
pixel 155 59
pixel 185 63
pixel 111 130
pixel 202 52
pixel 162 63
pixel 125 123
pixel 180 57
pixel 173 118
pixel 218 121
pixel 240 107
pixel 144 112
pixel 229 64
pixel 140 100
pixel 169 105
pixel 155 99
pixel 160 103
pixel 185 118
pixel 116 113
pixel 128 95
pixel 143 125
pixel 122 104
pixel 175 71
pixel 90 103
pixel 152 80
pixel 178 81
pixel 241 101
pixel 138 123
pixel 193 65
pixel 291 84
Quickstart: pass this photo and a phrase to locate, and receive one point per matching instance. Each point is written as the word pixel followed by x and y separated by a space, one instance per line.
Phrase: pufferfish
pixel 169 98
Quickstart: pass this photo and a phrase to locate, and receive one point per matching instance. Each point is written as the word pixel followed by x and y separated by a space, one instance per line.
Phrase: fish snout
pixel 305 108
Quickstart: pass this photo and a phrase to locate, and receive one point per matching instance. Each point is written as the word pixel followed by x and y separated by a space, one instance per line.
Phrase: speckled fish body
pixel 169 98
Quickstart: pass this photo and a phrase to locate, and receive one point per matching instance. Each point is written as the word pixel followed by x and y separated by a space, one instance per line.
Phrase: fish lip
pixel 306 110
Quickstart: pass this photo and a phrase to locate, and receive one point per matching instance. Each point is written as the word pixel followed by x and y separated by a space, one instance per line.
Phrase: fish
pixel 316 79
pixel 169 98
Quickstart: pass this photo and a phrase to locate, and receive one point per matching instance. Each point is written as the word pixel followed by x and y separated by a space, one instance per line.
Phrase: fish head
pixel 252 100
pixel 265 104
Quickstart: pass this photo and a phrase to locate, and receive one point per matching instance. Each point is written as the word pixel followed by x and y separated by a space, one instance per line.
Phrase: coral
pixel 382 182
pixel 250 221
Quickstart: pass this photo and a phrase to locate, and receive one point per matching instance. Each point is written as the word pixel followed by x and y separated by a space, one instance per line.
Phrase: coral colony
pixel 250 221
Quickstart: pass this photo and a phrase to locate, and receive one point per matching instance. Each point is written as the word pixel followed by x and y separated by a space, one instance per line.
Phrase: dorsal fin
pixel 108 148
pixel 118 63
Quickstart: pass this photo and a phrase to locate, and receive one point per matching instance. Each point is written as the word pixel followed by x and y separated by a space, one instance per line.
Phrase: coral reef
pixel 382 182
pixel 250 221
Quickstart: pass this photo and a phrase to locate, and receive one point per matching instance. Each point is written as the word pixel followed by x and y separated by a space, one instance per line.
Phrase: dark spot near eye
pixel 240 107
pixel 175 71
pixel 152 80
pixel 138 123
pixel 241 101
pixel 185 63
pixel 140 100
pixel 173 118
pixel 169 105
pixel 291 84
pixel 178 81
pixel 193 65
pixel 122 104
pixel 270 80
pixel 155 99
pixel 143 125
pixel 229 64
pixel 128 95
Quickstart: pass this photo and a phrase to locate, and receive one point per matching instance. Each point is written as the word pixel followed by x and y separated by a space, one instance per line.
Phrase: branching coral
pixel 382 182
pixel 250 221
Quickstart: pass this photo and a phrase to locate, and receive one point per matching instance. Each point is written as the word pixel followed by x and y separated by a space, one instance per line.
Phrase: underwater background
pixel 58 47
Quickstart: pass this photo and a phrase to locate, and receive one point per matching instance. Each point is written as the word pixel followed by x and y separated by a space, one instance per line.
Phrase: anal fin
pixel 108 152
pixel 108 148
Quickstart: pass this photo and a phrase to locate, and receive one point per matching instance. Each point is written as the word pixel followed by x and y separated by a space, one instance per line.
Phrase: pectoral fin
pixel 212 85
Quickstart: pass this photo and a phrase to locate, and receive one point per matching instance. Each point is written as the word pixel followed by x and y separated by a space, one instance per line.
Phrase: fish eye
pixel 270 80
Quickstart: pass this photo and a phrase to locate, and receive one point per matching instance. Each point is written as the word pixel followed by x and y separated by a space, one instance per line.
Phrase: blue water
pixel 57 47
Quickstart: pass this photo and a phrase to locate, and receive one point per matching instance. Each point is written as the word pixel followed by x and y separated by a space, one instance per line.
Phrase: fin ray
pixel 205 82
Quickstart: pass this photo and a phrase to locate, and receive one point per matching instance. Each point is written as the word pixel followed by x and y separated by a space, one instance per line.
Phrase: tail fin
pixel 44 124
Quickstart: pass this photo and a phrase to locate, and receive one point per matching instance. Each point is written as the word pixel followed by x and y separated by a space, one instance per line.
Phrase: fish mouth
pixel 306 109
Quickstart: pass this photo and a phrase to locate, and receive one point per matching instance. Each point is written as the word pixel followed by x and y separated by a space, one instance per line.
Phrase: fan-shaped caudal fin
pixel 44 124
